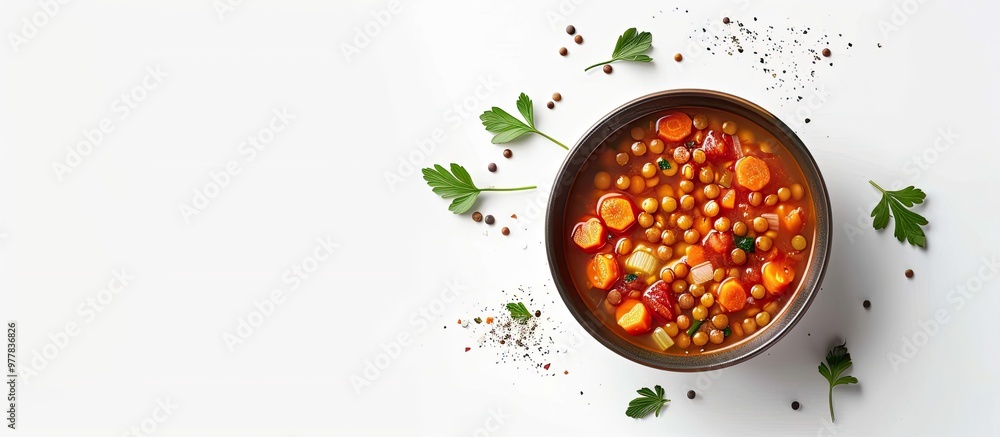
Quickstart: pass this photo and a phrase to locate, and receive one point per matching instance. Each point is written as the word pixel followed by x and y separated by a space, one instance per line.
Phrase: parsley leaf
pixel 457 185
pixel 908 223
pixel 646 403
pixel 837 362
pixel 630 47
pixel 507 128
pixel 631 277
pixel 518 311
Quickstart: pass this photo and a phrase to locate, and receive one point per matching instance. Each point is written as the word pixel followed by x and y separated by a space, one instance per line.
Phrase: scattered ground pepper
pixel 563 51
pixel 505 230
pixel 608 69
pixel 513 216
pixel 492 167
pixel 550 105
pixel 538 313
pixel 678 57
pixel 725 20
pixel 556 96
pixel 489 320
pixel 570 29
pixel 490 219
pixel 565 372
pixel 578 39
pixel 468 348
pixel 546 366
pixel 826 53
pixel 867 304
pixel 690 394
pixel 507 153
pixel 795 405
pixel 908 273
pixel 477 216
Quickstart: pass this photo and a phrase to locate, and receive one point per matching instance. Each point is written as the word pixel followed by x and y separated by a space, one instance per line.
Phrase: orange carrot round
pixel 603 271
pixel 633 317
pixel 752 173
pixel 617 212
pixel 776 276
pixel 732 296
pixel 589 235
pixel 674 126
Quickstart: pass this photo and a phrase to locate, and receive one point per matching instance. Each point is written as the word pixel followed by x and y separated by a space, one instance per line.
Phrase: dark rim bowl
pixel 592 141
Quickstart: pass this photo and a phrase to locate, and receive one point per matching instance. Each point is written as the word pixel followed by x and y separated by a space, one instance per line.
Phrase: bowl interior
pixel 593 143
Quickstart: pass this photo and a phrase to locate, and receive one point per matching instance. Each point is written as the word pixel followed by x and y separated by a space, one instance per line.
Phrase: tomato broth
pixel 690 230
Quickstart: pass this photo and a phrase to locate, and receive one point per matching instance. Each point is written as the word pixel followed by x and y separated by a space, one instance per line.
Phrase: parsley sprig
pixel 458 185
pixel 518 311
pixel 837 362
pixel 908 223
pixel 648 402
pixel 630 47
pixel 508 128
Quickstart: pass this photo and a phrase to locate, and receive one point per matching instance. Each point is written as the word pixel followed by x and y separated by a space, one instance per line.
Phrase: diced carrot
pixel 603 271
pixel 794 220
pixel 696 255
pixel 732 296
pixel 674 126
pixel 752 173
pixel 719 242
pixel 590 235
pixel 728 199
pixel 633 317
pixel 617 212
pixel 776 276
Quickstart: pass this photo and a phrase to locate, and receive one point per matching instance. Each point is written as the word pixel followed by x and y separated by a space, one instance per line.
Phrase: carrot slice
pixel 590 235
pixel 617 212
pixel 633 317
pixel 603 271
pixel 696 255
pixel 776 276
pixel 752 173
pixel 729 199
pixel 732 296
pixel 674 126
pixel 794 220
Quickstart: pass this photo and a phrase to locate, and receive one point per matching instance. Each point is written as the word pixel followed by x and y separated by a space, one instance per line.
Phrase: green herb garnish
pixel 837 361
pixel 745 243
pixel 727 332
pixel 457 185
pixel 690 144
pixel 518 311
pixel 908 223
pixel 694 327
pixel 663 163
pixel 648 402
pixel 631 277
pixel 630 47
pixel 478 320
pixel 507 128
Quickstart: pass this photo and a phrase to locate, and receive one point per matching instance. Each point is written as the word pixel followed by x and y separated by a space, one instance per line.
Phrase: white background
pixel 358 117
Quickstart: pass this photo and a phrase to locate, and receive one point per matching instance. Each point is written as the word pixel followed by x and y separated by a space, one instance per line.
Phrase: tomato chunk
pixel 659 298
pixel 719 146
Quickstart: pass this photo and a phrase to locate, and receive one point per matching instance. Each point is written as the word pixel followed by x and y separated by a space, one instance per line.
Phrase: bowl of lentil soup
pixel 688 230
